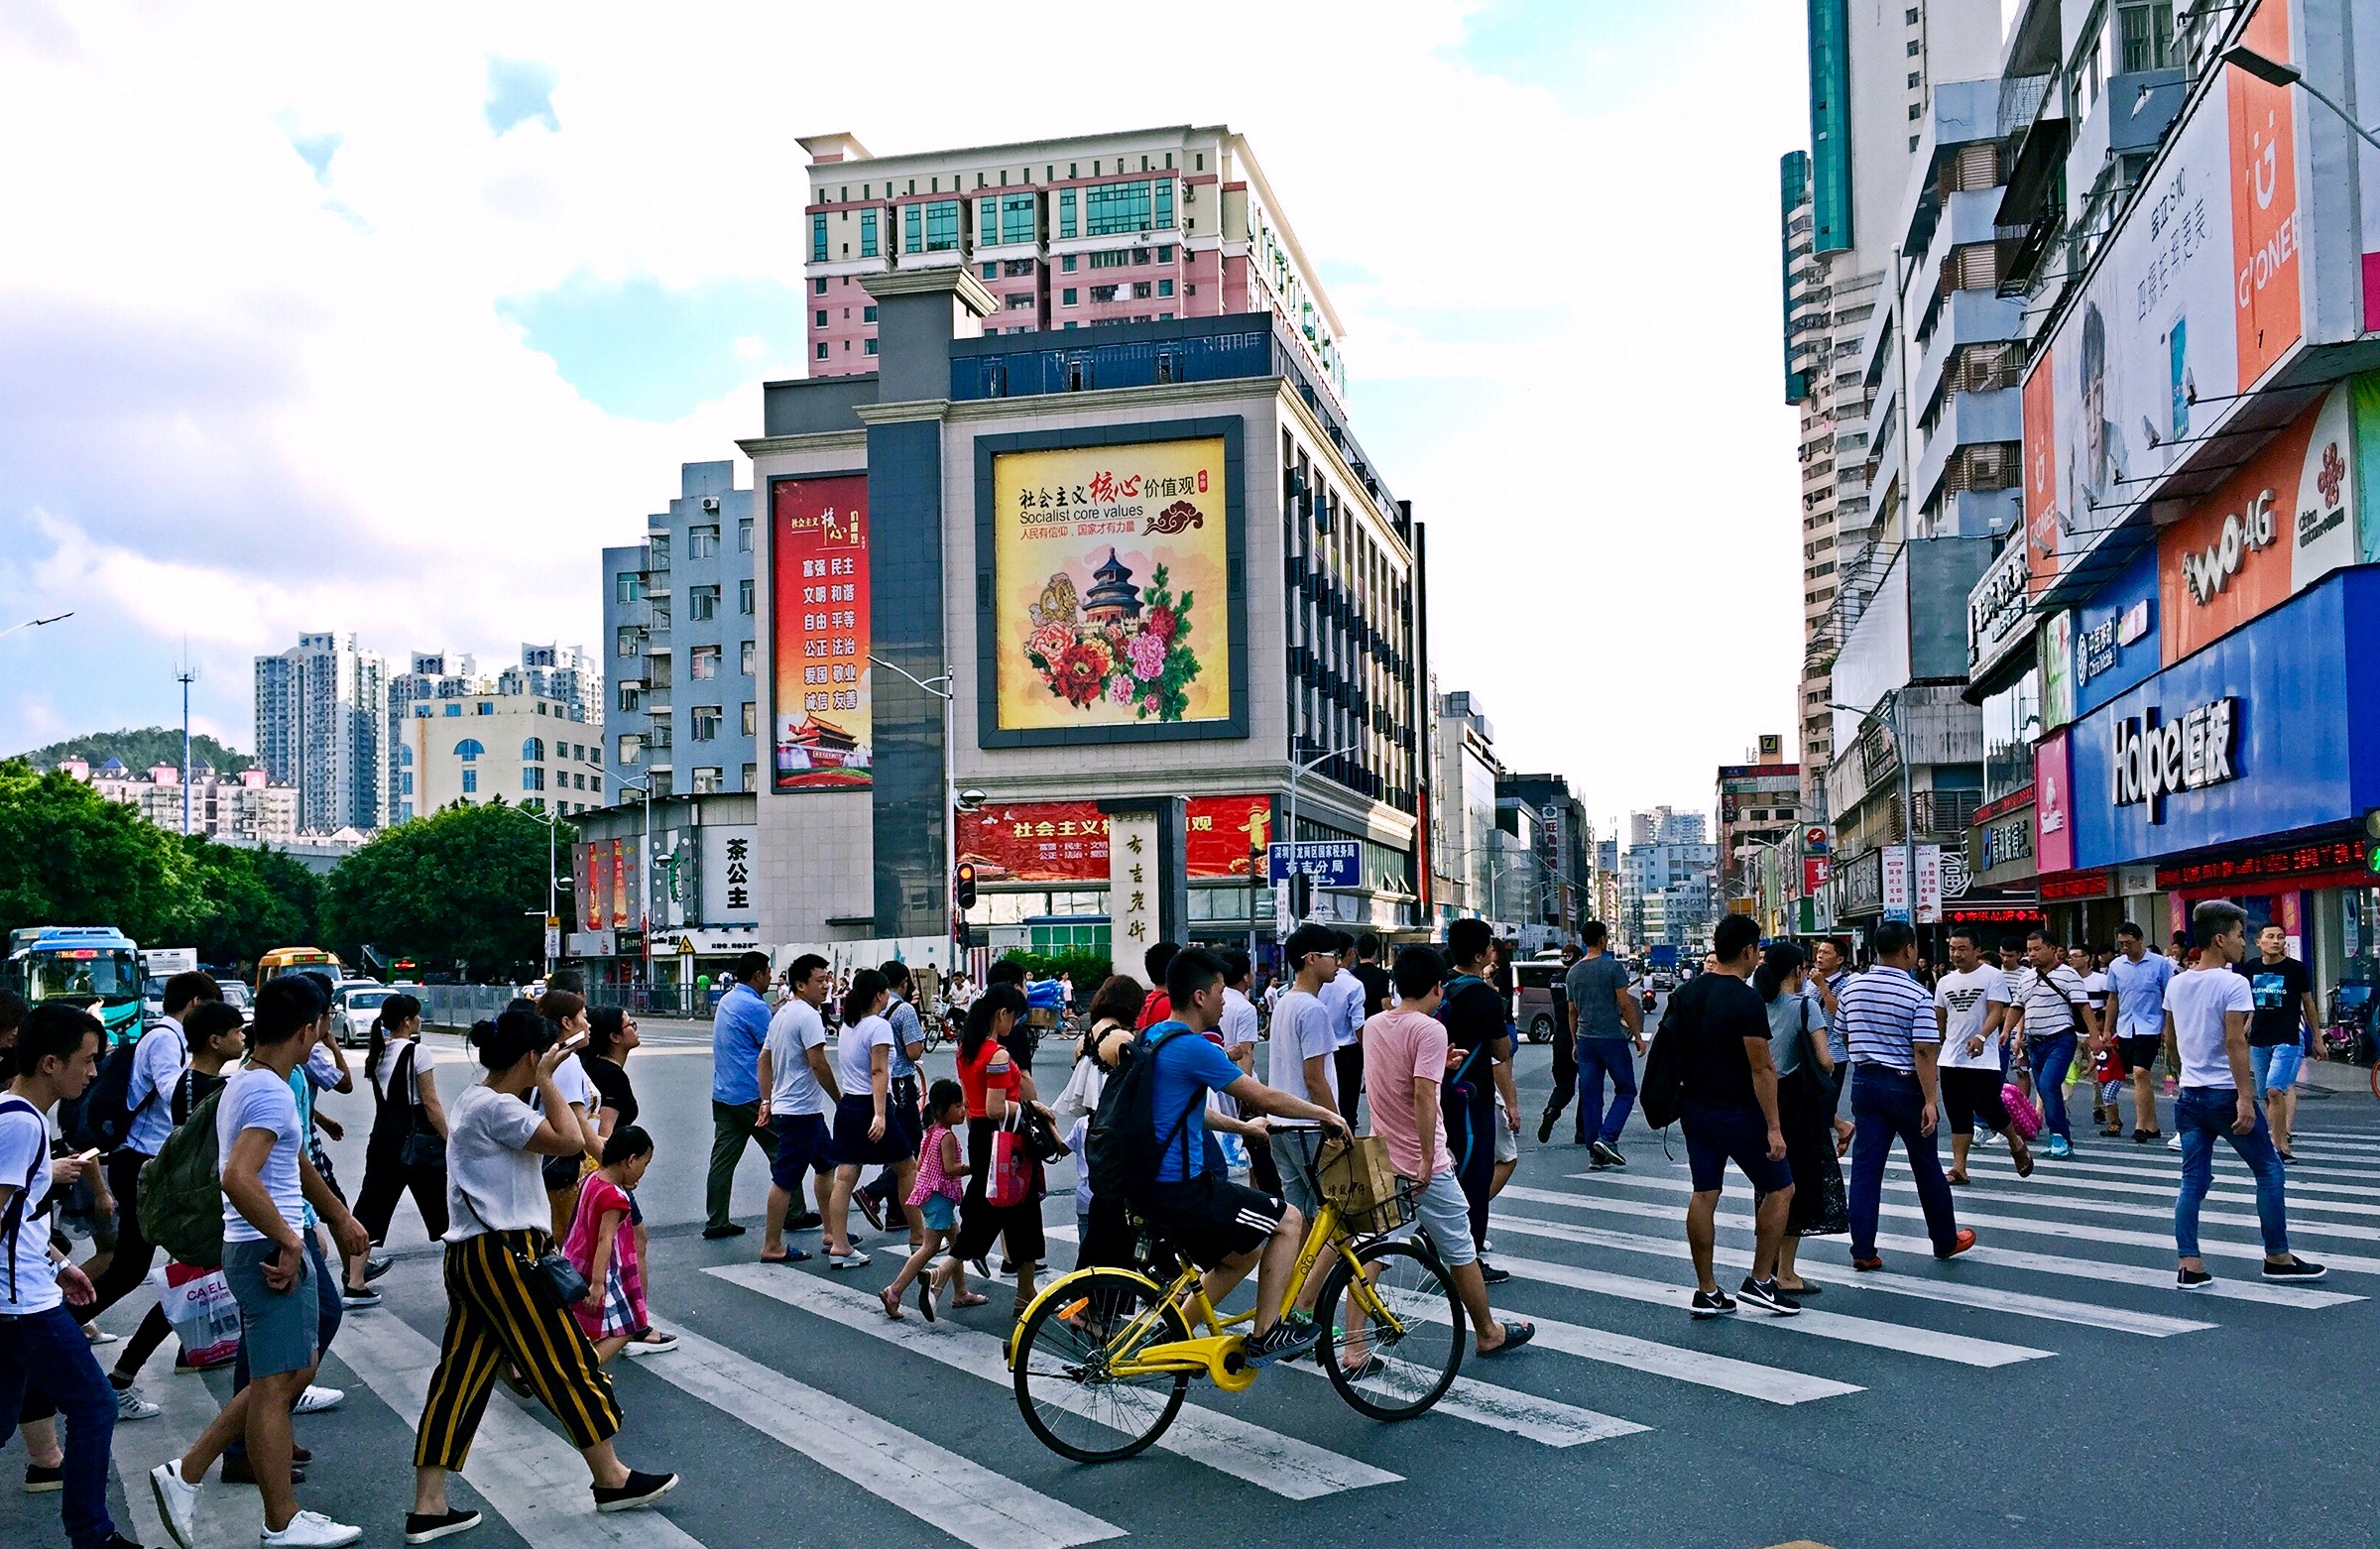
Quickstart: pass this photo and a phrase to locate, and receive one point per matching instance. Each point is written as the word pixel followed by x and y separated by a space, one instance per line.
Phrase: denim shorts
pixel 278 1327
pixel 941 1214
pixel 1444 1216
pixel 2276 1066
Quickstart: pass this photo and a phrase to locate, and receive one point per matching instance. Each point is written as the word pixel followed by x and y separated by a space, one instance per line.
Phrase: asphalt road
pixel 2049 1390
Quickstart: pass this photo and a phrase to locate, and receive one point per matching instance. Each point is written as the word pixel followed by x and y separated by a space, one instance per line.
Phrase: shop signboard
pixel 1133 890
pixel 2116 633
pixel 2195 297
pixel 1929 884
pixel 1106 609
pixel 2003 845
pixel 2057 669
pixel 1860 884
pixel 1995 611
pixel 2132 882
pixel 1331 863
pixel 727 894
pixel 2265 731
pixel 1067 841
pixel 2052 824
pixel 1893 874
pixel 593 911
pixel 821 637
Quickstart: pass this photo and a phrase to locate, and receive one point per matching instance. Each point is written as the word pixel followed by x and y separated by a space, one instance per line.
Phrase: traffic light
pixel 966 884
pixel 1301 894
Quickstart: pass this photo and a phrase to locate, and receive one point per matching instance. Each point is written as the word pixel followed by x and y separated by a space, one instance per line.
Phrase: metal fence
pixel 459 1006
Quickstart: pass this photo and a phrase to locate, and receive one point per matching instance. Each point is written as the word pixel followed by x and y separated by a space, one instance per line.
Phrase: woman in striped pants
pixel 496 1316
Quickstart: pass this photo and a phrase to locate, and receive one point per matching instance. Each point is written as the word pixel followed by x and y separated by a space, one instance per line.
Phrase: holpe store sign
pixel 2266 732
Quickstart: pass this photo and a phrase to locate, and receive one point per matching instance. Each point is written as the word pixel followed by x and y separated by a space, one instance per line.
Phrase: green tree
pixel 248 902
pixel 140 749
pixel 464 887
pixel 69 857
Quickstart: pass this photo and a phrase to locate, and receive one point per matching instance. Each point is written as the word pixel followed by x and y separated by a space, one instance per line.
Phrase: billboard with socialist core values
pixel 1067 841
pixel 818 609
pixel 1111 567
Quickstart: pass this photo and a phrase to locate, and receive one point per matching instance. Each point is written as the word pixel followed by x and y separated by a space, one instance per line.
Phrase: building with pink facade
pixel 1134 227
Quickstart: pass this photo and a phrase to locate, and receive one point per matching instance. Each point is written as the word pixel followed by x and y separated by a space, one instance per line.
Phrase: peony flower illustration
pixel 1148 656
pixel 1121 690
pixel 1149 704
pixel 1163 623
pixel 1050 642
pixel 1081 671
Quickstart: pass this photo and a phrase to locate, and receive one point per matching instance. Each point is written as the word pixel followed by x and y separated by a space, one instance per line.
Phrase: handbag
pixel 553 1278
pixel 1011 1179
pixel 423 1146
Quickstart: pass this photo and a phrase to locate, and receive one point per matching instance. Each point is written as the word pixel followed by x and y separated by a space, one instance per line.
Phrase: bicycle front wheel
pixel 1065 1384
pixel 1392 1371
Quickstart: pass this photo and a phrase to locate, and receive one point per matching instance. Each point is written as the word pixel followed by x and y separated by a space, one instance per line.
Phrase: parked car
pixel 1534 980
pixel 152 1000
pixel 353 1007
pixel 236 993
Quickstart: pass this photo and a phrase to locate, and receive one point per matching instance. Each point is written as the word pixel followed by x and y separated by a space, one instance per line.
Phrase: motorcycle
pixel 2348 1034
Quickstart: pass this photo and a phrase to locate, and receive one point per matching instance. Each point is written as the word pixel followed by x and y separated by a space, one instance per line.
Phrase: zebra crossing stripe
pixel 938 1487
pixel 1283 1464
pixel 1774 1385
pixel 516 1464
pixel 2359 1140
pixel 1545 1420
pixel 2048 1196
pixel 2158 1164
pixel 1955 1292
pixel 2300 1296
pixel 2048 1175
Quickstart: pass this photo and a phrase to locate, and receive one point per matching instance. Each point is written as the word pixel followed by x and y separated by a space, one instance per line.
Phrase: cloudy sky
pixel 386 320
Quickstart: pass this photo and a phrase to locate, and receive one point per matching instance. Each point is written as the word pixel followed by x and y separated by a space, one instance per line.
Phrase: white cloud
pixel 246 397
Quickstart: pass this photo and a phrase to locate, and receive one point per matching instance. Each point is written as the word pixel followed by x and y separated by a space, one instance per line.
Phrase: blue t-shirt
pixel 1187 1068
pixel 906 1032
pixel 2140 993
pixel 737 1030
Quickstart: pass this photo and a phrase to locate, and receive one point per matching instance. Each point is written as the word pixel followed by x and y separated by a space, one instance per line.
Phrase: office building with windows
pixel 528 749
pixel 1142 226
pixel 679 638
pixel 322 726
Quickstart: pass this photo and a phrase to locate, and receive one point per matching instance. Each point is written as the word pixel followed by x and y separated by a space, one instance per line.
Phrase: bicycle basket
pixel 1358 1182
pixel 1389 1214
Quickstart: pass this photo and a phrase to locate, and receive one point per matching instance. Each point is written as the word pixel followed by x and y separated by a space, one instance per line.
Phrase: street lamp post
pixel 1296 770
pixel 942 688
pixel 1891 721
pixel 553 829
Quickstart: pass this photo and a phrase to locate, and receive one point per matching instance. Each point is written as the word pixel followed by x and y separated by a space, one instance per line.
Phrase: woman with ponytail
pixel 407 1151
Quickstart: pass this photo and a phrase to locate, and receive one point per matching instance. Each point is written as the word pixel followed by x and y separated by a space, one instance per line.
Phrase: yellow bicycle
pixel 1103 1358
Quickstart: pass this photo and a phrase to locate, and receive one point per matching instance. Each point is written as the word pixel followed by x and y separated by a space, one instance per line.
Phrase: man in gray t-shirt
pixel 1602 1014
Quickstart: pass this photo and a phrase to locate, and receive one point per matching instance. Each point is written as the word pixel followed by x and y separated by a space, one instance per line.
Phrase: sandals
pixel 2116 1133
pixel 890 1300
pixel 2144 1136
pixel 970 1300
pixel 1516 1334
pixel 1954 1175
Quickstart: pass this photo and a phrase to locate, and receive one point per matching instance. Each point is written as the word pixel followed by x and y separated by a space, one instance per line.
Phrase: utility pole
pixel 186 678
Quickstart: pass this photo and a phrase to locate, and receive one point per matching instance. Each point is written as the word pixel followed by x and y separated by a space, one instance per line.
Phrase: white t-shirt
pixel 2094 985
pixel 257 1099
pixel 2197 1000
pixel 1969 998
pixel 492 1185
pixel 793 1031
pixel 28 1279
pixel 156 1063
pixel 1238 1019
pixel 1301 1029
pixel 851 1053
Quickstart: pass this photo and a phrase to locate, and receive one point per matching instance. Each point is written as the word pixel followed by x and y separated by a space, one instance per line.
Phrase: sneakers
pixel 869 1208
pixel 641 1490
pixel 1765 1295
pixel 130 1406
pixel 2060 1147
pixel 807 1220
pixel 1492 1275
pixel 1863 1266
pixel 359 1299
pixel 1711 1304
pixel 1545 1127
pixel 316 1399
pixel 1606 1155
pixel 2192 1280
pixel 653 1342
pixel 40 1480
pixel 2174 1143
pixel 714 1233
pixel 177 1503
pixel 378 1264
pixel 421 1528
pixel 2296 1269
pixel 1959 1245
pixel 310 1531
pixel 1284 1341
pixel 855 1260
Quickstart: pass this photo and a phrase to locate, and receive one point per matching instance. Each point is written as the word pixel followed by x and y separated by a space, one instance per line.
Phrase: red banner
pixel 1067 841
pixel 818 551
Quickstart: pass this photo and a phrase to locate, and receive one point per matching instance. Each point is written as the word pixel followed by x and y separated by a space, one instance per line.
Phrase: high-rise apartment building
pixel 248 805
pixel 322 726
pixel 1132 227
pixel 1463 818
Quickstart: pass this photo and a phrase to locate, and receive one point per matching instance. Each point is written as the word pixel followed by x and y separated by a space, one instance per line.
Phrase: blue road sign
pixel 1331 863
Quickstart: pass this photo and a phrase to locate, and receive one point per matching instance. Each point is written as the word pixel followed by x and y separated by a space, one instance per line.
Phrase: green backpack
pixel 182 1191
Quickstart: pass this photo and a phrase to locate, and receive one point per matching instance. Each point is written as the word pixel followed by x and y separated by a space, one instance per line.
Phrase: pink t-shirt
pixel 1400 1046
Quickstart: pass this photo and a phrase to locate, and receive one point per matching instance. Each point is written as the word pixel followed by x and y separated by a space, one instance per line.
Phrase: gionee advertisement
pixel 819 607
pixel 1110 577
pixel 1067 841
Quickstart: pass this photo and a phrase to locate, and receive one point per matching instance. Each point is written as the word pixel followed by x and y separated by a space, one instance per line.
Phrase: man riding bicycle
pixel 1220 1225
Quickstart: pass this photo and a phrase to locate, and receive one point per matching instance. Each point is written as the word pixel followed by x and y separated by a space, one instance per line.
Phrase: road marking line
pixel 1283 1464
pixel 1546 1420
pixel 2166 1167
pixel 2164 1185
pixel 186 1405
pixel 1954 1292
pixel 516 1464
pixel 2017 1258
pixel 2036 1192
pixel 940 1488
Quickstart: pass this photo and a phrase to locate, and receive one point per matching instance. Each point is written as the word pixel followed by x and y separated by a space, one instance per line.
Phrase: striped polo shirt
pixel 1883 1011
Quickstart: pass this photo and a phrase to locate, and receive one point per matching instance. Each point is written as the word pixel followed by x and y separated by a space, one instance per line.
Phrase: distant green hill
pixel 150 745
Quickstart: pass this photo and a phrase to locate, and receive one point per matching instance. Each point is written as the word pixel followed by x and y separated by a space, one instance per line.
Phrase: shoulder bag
pixel 424 1147
pixel 553 1278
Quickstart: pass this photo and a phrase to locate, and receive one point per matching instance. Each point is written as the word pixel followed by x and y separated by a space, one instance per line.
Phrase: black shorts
pixel 2140 1053
pixel 1209 1219
pixel 1717 1134
pixel 1969 1094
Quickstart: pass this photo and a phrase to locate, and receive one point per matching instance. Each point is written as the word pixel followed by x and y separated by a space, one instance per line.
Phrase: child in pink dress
pixel 604 1249
pixel 941 1184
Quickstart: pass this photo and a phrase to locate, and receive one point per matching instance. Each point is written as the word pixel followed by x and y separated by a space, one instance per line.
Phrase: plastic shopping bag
pixel 1010 1181
pixel 198 1304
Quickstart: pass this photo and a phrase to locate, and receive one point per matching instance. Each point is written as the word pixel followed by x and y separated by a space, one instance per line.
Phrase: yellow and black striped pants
pixel 494 1317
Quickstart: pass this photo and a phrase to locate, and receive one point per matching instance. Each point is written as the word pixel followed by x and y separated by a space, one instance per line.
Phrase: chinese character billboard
pixel 1067 841
pixel 1110 578
pixel 818 547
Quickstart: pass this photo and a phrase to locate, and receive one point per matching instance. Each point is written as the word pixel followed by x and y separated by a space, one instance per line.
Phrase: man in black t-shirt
pixel 2281 1028
pixel 1480 1046
pixel 1730 1115
pixel 1375 978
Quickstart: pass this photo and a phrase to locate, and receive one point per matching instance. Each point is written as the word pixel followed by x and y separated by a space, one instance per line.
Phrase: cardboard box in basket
pixel 1041 1017
pixel 1356 1175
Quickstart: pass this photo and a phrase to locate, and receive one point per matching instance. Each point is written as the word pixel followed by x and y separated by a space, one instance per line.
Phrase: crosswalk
pixel 799 1373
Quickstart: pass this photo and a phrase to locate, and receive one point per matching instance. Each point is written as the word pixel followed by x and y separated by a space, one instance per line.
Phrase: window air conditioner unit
pixel 710 503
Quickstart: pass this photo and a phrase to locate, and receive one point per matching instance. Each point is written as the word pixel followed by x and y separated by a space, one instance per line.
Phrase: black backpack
pixel 1661 1090
pixel 1125 1147
pixel 104 1118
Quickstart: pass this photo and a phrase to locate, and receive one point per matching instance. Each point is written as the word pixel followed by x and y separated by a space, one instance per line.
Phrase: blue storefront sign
pixel 2116 643
pixel 2272 729
pixel 1331 863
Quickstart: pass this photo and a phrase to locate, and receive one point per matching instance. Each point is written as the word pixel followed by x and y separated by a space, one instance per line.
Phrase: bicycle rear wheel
pixel 1083 1326
pixel 1392 1373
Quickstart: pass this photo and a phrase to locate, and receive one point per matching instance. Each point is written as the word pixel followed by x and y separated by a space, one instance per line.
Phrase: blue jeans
pixel 1597 1058
pixel 1885 1105
pixel 48 1351
pixel 2051 1058
pixel 2202 1114
pixel 328 1309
